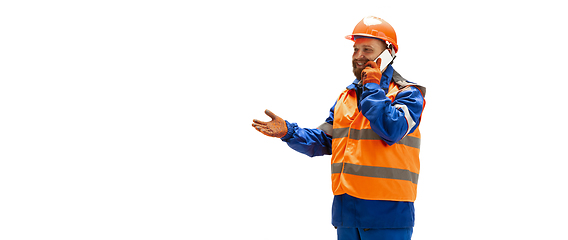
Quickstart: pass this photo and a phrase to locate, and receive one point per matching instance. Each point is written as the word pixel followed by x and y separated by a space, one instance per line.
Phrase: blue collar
pixel 385 79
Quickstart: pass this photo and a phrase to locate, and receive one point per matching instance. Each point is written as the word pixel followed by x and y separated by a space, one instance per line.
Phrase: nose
pixel 357 55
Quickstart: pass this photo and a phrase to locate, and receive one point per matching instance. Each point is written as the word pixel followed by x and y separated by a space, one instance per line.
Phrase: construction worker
pixel 373 138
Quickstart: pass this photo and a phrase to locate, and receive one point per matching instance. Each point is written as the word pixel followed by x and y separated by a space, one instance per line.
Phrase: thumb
pixel 270 114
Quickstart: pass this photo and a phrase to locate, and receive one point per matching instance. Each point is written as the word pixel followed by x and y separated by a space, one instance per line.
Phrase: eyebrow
pixel 364 46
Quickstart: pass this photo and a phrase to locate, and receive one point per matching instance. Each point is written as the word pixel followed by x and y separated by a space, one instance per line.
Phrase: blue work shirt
pixel 349 211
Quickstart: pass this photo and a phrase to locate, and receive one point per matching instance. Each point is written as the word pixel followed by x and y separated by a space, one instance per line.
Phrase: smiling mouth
pixel 359 64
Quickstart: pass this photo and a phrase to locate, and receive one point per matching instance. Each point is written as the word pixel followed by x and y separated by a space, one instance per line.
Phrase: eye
pixel 355 49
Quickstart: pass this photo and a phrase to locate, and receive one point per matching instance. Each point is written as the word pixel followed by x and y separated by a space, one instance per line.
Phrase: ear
pixel 392 51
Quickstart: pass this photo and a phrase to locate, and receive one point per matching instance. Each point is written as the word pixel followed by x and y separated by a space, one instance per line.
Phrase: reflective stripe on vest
pixel 376 172
pixel 369 134
pixel 363 165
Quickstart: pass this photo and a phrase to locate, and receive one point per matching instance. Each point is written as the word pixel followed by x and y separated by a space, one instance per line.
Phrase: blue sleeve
pixel 392 120
pixel 312 142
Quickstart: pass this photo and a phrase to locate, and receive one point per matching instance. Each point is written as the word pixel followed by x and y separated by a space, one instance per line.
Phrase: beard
pixel 357 71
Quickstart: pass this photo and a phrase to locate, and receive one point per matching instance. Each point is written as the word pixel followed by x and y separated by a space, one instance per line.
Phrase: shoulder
pixel 405 85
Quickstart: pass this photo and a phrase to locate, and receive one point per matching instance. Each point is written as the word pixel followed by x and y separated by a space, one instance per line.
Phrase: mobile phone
pixel 386 59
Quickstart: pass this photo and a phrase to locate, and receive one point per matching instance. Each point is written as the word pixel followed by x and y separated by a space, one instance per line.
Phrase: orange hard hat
pixel 375 27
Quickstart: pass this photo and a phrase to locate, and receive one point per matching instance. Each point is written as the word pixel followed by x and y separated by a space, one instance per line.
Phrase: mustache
pixel 354 61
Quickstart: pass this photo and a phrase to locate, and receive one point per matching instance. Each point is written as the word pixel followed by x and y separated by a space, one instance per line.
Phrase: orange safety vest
pixel 362 164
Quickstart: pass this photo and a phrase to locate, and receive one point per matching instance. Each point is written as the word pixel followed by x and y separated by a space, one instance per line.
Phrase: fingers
pixel 259 122
pixel 372 64
pixel 263 129
pixel 260 127
pixel 269 113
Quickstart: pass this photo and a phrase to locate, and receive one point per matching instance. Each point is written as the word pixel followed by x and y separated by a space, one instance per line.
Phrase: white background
pixel 131 119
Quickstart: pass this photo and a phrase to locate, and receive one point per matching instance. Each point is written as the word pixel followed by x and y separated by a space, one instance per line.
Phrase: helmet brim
pixel 353 37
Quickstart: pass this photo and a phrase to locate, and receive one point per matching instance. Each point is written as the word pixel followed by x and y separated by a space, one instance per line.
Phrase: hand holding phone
pixel 372 73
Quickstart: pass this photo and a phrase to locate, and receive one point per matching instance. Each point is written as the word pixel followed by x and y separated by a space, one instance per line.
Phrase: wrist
pixel 378 82
pixel 289 132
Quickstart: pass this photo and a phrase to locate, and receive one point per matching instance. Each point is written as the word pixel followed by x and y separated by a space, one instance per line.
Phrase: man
pixel 373 137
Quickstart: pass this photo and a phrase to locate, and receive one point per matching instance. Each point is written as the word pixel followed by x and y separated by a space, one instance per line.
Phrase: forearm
pixel 391 120
pixel 312 142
